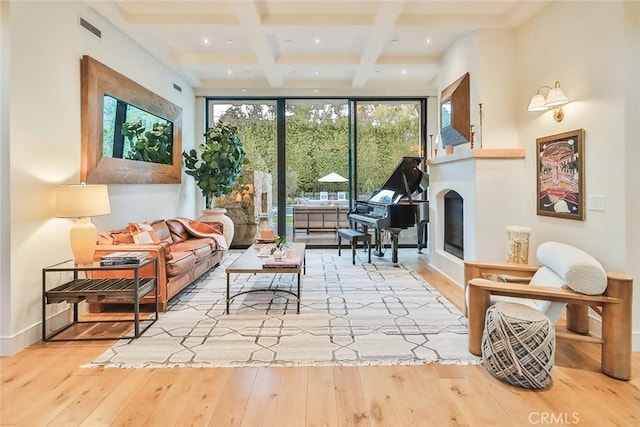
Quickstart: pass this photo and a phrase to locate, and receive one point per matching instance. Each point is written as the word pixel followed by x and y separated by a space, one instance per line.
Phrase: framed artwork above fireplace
pixel 560 175
pixel 455 122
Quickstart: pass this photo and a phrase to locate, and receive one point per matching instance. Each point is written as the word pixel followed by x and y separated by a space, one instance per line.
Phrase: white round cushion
pixel 581 272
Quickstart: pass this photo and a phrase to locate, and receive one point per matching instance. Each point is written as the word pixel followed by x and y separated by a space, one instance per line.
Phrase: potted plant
pixel 220 163
pixel 217 169
pixel 281 244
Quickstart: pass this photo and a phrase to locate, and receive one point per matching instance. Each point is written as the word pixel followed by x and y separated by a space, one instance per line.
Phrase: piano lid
pixel 407 180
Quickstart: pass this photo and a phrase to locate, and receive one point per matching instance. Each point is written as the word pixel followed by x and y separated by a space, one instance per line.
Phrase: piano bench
pixel 354 236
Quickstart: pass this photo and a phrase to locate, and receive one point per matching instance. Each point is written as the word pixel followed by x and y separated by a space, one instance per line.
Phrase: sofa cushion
pixel 201 248
pixel 180 262
pixel 178 231
pixel 162 230
pixel 581 272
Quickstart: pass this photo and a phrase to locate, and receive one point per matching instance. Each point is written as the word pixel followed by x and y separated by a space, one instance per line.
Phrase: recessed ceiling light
pixel 205 40
pixel 404 72
pixel 316 90
pixel 428 41
pixel 228 41
pixel 244 90
pixel 317 41
pixel 316 73
pixel 229 72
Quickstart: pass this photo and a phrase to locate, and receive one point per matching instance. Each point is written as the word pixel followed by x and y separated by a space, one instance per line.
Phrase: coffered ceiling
pixel 337 47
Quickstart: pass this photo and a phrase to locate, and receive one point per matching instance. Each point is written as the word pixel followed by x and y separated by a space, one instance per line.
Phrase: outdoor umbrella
pixel 333 177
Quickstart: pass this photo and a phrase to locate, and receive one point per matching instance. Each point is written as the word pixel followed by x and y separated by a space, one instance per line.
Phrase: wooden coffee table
pixel 249 262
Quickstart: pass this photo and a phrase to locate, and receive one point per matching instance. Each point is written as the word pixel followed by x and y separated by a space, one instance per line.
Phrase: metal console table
pixel 130 290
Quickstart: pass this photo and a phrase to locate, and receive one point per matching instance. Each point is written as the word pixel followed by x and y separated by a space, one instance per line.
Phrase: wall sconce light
pixel 554 99
pixel 82 202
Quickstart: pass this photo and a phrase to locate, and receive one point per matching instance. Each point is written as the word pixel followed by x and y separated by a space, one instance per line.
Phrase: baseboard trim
pixel 33 334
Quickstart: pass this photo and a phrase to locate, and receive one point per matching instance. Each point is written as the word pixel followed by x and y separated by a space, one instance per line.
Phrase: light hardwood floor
pixel 44 386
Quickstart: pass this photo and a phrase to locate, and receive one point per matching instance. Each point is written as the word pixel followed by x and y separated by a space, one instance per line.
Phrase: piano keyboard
pixel 363 218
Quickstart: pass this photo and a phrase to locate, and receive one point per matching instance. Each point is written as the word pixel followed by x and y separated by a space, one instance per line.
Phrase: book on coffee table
pixel 282 263
pixel 120 258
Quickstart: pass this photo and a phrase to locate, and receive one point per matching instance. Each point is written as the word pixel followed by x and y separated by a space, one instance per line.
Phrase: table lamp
pixel 82 202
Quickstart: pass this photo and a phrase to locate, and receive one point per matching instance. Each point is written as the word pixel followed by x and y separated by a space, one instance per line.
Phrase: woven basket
pixel 518 345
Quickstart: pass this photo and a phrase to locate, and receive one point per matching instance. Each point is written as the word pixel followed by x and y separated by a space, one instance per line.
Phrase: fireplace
pixel 453 224
pixel 477 180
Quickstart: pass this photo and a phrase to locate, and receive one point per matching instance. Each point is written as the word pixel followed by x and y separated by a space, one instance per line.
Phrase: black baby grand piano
pixel 392 207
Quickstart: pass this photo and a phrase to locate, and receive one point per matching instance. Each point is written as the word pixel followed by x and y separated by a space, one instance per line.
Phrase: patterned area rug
pixel 363 314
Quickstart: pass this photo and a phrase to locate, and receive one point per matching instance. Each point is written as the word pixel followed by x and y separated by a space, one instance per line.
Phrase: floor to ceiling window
pixel 385 132
pixel 316 147
pixel 335 151
pixel 256 123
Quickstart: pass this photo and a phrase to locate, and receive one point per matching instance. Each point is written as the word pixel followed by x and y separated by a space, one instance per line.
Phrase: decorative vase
pixel 218 215
pixel 278 254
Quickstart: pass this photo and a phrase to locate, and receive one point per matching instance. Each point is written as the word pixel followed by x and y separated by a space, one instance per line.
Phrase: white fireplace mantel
pixel 491 183
pixel 480 153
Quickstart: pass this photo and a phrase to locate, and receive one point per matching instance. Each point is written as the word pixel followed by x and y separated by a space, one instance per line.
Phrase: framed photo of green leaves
pixel 130 135
pixel 560 175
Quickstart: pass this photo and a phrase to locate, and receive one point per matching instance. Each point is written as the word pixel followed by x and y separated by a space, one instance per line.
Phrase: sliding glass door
pixel 385 132
pixel 257 194
pixel 321 155
pixel 317 168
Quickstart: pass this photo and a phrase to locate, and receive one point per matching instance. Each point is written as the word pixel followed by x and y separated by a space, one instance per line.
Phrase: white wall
pixel 489 58
pixel 590 57
pixel 632 153
pixel 5 225
pixel 592 49
pixel 47 43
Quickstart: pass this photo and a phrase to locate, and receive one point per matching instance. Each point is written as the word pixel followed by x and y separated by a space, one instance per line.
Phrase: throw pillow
pixel 121 238
pixel 582 272
pixel 143 233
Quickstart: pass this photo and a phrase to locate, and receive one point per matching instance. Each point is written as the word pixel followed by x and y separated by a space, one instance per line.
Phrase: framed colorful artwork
pixel 560 175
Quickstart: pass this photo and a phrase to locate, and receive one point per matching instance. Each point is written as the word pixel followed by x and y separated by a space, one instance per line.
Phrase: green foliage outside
pixel 317 141
pixel 108 125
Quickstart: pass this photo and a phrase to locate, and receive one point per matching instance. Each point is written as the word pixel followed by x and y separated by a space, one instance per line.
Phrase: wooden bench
pixel 614 308
pixel 354 236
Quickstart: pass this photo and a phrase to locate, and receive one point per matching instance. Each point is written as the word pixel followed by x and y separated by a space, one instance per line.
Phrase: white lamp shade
pixel 537 103
pixel 78 201
pixel 82 201
pixel 556 96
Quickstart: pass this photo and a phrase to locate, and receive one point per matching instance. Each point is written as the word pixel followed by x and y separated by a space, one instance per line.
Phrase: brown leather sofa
pixel 183 256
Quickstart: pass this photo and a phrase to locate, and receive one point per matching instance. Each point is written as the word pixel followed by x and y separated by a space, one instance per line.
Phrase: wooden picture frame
pixel 98 80
pixel 455 112
pixel 560 175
